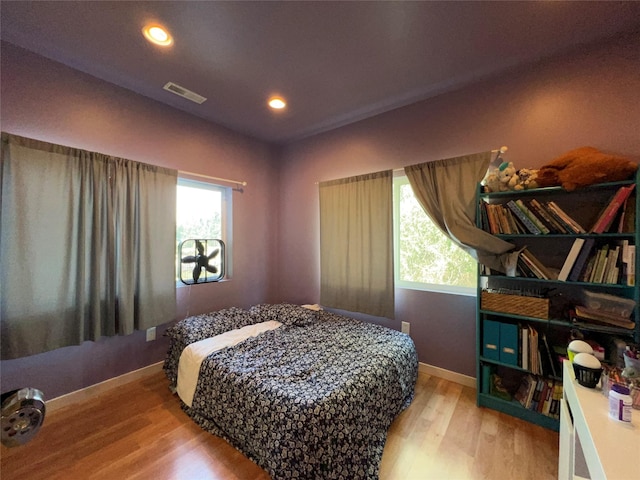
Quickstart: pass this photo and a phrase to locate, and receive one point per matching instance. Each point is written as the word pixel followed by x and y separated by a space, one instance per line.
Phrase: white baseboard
pixel 92 391
pixel 465 380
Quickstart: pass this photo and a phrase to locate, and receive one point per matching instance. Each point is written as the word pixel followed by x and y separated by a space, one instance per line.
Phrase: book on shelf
pixel 495 225
pixel 525 390
pixel 583 258
pixel 552 224
pixel 564 218
pixel 544 395
pixel 627 221
pixel 586 273
pixel 516 226
pixel 549 358
pixel 522 217
pixel 598 269
pixel 536 265
pixel 484 220
pixel 611 269
pixel 572 256
pixel 556 398
pixel 524 347
pixel 604 221
pixel 629 265
pixel 534 363
pixel 539 394
pixel 590 315
pixel 532 216
pixel 622 213
pixel 524 269
pixel 548 396
pixel 505 225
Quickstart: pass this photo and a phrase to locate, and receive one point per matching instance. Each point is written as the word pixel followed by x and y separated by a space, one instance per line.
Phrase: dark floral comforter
pixel 312 399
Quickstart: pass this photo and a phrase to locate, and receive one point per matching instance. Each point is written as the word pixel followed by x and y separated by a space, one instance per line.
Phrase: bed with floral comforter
pixel 312 399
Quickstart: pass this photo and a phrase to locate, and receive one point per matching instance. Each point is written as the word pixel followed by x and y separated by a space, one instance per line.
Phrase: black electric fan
pixel 206 256
pixel 22 415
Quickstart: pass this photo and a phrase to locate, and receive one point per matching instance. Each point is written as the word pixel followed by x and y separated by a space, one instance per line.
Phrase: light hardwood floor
pixel 138 431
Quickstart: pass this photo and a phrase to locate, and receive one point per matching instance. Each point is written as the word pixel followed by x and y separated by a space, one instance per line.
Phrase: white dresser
pixel 591 444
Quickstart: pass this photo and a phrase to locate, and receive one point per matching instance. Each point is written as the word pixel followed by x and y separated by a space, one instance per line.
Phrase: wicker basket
pixel 587 377
pixel 516 304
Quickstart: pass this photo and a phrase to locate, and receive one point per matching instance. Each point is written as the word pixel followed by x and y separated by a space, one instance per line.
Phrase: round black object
pixel 22 415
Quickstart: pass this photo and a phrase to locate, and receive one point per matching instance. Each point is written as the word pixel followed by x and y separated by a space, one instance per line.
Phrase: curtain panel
pixel 356 244
pixel 87 246
pixel 446 189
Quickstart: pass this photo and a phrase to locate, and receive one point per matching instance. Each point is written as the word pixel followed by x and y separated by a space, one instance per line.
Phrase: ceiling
pixel 334 62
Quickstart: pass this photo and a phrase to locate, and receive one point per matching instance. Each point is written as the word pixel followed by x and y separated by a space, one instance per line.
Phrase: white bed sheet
pixel 192 357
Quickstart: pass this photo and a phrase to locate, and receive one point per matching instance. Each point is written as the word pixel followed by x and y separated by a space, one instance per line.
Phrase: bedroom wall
pixel 589 97
pixel 48 101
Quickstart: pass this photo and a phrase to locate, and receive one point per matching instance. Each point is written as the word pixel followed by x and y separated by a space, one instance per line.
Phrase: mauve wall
pixel 539 112
pixel 45 100
pixel 587 98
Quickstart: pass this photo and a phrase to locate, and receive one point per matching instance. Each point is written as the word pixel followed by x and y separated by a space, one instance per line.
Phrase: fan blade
pixel 196 274
pixel 189 259
pixel 211 268
pixel 200 247
pixel 214 253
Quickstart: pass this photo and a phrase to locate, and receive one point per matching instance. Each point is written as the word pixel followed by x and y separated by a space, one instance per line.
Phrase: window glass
pixel 425 258
pixel 203 212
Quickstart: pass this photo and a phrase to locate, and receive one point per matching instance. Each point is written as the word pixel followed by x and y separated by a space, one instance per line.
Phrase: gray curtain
pixel 446 189
pixel 356 244
pixel 87 246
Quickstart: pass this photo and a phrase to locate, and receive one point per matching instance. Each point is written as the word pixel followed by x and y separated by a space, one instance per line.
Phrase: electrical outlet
pixel 151 334
pixel 406 326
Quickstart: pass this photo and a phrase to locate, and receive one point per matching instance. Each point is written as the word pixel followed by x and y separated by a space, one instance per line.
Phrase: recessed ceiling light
pixel 277 103
pixel 158 35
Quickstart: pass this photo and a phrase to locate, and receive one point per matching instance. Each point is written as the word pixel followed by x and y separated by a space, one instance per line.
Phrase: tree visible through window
pixel 201 213
pixel 425 258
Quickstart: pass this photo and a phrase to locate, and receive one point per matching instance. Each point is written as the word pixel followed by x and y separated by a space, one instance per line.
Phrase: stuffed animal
pixel 491 181
pixel 585 166
pixel 501 179
pixel 507 176
pixel 527 179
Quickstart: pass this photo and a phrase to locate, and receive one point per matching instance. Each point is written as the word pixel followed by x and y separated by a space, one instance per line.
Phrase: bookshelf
pixel 534 310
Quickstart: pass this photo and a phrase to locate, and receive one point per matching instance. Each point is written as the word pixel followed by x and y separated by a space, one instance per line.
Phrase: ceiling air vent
pixel 183 92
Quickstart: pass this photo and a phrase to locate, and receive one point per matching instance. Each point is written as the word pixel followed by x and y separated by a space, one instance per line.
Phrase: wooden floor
pixel 138 431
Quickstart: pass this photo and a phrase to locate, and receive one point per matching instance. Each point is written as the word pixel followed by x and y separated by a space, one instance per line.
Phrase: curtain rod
pixel 500 150
pixel 182 172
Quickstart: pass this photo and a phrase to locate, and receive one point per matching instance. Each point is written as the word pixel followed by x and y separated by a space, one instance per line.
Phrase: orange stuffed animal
pixel 585 166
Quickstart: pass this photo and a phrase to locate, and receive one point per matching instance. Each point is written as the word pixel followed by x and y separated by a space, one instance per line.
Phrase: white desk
pixel 611 449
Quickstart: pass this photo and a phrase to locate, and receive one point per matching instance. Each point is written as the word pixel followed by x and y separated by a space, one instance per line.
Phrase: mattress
pixel 313 398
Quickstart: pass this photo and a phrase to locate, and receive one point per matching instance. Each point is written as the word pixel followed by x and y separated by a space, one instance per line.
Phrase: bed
pixel 310 396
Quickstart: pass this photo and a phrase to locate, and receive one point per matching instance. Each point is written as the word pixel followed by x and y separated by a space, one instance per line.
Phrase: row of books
pixel 582 315
pixel 532 216
pixel 535 354
pixel 518 345
pixel 618 207
pixel 529 266
pixel 542 395
pixel 536 217
pixel 611 263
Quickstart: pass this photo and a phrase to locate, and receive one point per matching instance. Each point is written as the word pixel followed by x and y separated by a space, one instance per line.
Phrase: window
pixel 425 258
pixel 203 211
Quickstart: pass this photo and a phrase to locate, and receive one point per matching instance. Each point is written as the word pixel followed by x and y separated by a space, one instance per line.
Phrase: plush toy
pixel 491 182
pixel 527 179
pixel 585 166
pixel 507 176
pixel 501 179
